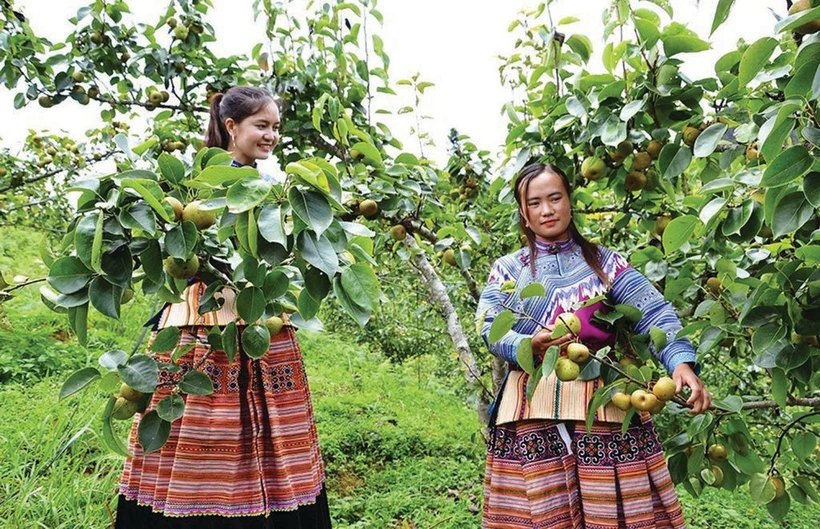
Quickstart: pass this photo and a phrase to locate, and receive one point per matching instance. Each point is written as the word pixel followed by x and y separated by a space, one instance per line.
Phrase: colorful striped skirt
pixel 248 449
pixel 553 474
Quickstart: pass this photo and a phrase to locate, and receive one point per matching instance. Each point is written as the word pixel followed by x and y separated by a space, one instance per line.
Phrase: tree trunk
pixel 440 299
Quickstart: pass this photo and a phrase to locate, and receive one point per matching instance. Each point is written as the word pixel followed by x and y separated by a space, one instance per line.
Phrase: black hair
pixel 237 103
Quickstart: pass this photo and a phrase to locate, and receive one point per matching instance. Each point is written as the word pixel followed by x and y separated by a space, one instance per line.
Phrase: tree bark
pixel 440 299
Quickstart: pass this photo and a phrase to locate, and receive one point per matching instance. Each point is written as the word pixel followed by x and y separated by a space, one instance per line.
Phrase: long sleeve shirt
pixel 568 280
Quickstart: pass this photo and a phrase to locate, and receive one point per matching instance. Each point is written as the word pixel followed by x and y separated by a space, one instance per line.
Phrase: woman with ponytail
pixel 544 470
pixel 247 455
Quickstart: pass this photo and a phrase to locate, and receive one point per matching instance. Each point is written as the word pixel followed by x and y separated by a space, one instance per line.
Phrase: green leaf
pixel 111 360
pixel 791 212
pixel 501 325
pixel 789 165
pixel 677 39
pixel 78 380
pixel 313 208
pixel 731 403
pixel 68 275
pixel 151 192
pixel 811 188
pixel 270 225
pixel 229 341
pixel 196 383
pixel 580 45
pixel 247 194
pixel 658 337
pixel 721 14
pixel 533 381
pixel 319 252
pixel 181 240
pixel 633 314
pixel 84 237
pixel 796 20
pixel 166 340
pixel 140 372
pixel 368 152
pixel 171 408
pixel 109 438
pixel 139 216
pixel 761 488
pixel 678 232
pixel 362 286
pixel 153 432
pixel 754 59
pixel 105 297
pixel 360 314
pixel 182 350
pixel 673 160
pixel 803 445
pixel 250 304
pixel 255 340
pixel 806 486
pixel 550 359
pixel 707 141
pixel 78 320
pixel 524 356
pixel 171 168
pixel 533 290
pixel 307 305
pixel 217 176
pixel 779 507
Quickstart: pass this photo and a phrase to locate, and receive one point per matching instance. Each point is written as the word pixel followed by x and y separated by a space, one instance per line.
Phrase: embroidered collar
pixel 555 247
pixel 234 163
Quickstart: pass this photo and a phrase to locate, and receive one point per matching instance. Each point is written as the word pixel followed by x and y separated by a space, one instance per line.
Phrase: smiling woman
pixel 246 455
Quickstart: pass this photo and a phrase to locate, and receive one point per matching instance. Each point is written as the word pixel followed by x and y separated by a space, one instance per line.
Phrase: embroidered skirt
pixel 248 449
pixel 553 474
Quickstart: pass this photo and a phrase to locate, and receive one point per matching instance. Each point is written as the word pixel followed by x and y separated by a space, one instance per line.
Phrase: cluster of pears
pixel 568 367
pixel 181 31
pixel 202 219
pixel 156 97
pixel 129 402
pixel 642 400
pixel 594 168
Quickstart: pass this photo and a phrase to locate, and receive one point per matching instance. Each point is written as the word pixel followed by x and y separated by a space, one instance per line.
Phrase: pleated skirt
pixel 248 450
pixel 553 474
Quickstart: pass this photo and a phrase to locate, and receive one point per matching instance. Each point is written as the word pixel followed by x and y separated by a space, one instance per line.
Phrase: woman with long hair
pixel 544 470
pixel 247 455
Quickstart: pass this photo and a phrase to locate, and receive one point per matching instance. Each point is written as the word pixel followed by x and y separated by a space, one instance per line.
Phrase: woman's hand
pixel 700 400
pixel 542 340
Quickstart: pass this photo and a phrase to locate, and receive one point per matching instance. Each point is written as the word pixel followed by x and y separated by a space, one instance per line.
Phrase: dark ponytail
pixel 237 103
pixel 522 186
pixel 217 135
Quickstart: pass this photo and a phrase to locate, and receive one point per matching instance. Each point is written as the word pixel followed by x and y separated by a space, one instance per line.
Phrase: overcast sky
pixel 452 43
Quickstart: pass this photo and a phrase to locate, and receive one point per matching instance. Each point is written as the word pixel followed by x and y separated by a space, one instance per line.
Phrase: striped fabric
pixel 247 449
pixel 186 314
pixel 541 475
pixel 568 280
pixel 552 399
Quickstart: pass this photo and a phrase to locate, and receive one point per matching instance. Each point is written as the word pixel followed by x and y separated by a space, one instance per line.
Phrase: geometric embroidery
pixel 280 378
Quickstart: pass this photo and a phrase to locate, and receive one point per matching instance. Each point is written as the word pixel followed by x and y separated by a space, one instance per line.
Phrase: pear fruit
pixel 717 452
pixel 654 149
pixel 714 285
pixel 449 257
pixel 129 393
pixel 176 205
pixel 622 401
pixel 752 154
pixel 155 97
pixel 809 27
pixel 181 32
pixel 641 161
pixel 398 232
pixel 665 388
pixel 779 488
pixel 625 148
pixel 181 269
pixel 124 409
pixel 718 472
pixel 566 370
pixel 690 134
pixel 643 400
pixel 593 168
pixel 661 223
pixel 578 352
pixel 635 181
pixel 201 218
pixel 368 208
pixel 566 323
pixel 274 325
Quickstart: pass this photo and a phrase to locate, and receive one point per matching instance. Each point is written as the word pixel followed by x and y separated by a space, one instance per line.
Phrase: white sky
pixel 452 43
